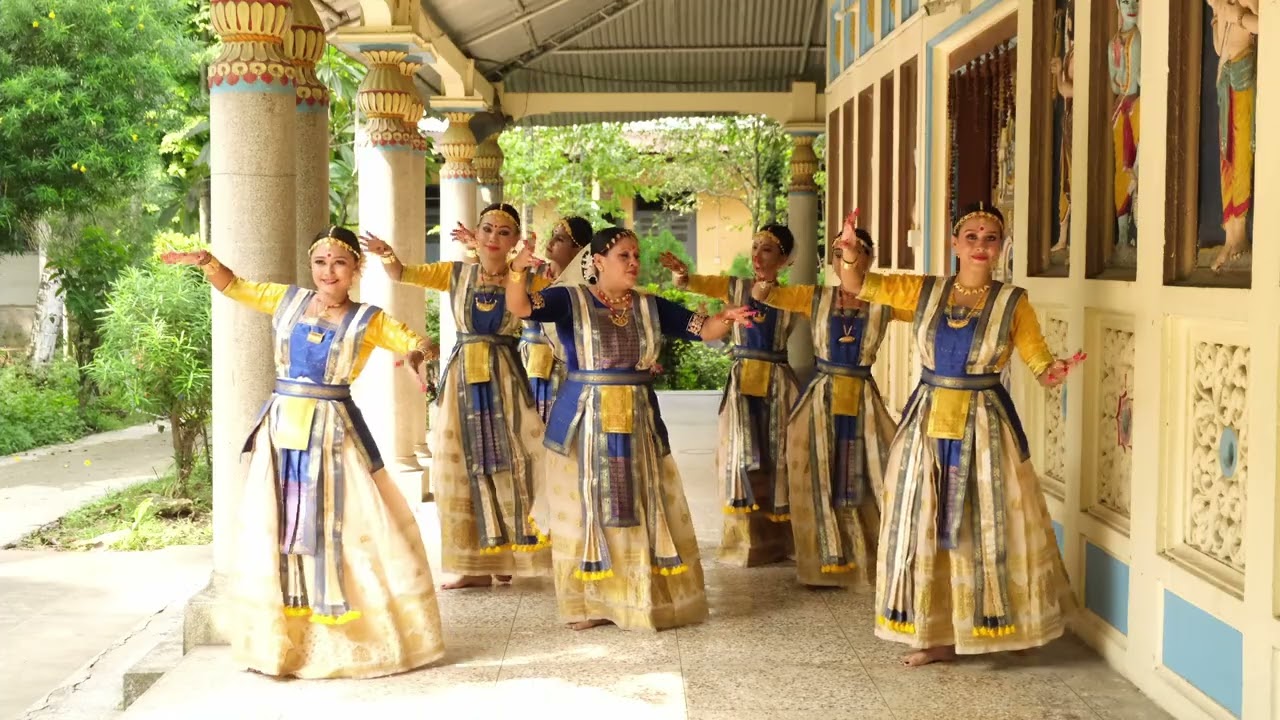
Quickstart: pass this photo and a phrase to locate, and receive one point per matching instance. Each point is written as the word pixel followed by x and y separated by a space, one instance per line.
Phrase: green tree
pixel 157 351
pixel 83 89
pixel 341 74
pixel 86 92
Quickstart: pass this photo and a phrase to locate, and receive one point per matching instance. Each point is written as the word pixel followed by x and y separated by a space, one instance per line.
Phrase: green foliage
pixel 433 316
pixel 342 74
pixel 563 165
pixel 156 349
pixel 85 87
pixel 651 248
pixel 40 407
pixel 86 268
pixel 691 365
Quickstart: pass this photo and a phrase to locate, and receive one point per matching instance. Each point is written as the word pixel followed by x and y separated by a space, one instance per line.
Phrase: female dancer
pixel 623 543
pixel 543 360
pixel 488 451
pixel 968 559
pixel 752 463
pixel 839 432
pixel 330 577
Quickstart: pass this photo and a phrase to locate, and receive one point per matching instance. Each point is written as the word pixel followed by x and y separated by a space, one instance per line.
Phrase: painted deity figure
pixel 1124 65
pixel 1235 38
pixel 1062 70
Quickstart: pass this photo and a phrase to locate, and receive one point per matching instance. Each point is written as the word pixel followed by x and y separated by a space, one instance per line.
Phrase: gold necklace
pixel 963 291
pixel 618 316
pixel 960 322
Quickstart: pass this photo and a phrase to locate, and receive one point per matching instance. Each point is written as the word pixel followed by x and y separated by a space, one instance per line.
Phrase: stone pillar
pixel 390 168
pixel 304 44
pixel 457 196
pixel 251 167
pixel 488 162
pixel 802 218
pixel 414 219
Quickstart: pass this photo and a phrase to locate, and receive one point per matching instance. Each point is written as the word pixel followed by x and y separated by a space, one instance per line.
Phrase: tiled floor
pixel 771 650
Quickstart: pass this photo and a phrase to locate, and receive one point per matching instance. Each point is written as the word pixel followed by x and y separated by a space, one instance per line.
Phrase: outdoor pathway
pixel 61 610
pixel 771 650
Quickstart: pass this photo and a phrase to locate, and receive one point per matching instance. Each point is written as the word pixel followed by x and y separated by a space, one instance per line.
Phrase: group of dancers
pixel 550 455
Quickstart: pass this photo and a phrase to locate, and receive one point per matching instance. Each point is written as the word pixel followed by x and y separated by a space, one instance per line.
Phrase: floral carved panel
pixel 1218 464
pixel 1055 411
pixel 1115 420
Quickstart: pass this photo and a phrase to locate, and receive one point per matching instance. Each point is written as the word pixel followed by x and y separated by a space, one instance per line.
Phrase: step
pixel 163 657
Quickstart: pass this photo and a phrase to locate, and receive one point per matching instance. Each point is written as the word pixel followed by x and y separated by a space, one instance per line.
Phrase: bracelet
pixel 388 259
pixel 517 275
pixel 212 267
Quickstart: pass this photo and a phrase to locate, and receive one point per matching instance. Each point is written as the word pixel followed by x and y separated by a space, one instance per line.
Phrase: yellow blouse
pixel 712 286
pixel 799 299
pixel 903 292
pixel 439 276
pixel 383 330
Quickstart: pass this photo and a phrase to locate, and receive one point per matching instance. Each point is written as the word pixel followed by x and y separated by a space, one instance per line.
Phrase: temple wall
pixel 1164 501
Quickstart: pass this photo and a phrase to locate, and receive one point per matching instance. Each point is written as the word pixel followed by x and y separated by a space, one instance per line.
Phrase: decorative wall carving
pixel 1055 411
pixel 1218 468
pixel 1115 419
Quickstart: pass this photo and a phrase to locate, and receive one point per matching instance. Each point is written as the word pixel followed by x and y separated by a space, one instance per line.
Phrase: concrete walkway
pixel 771 650
pixel 41 486
pixel 59 611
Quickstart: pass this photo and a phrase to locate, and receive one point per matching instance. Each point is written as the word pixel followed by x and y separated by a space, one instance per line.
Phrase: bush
pixel 156 351
pixel 691 365
pixel 40 406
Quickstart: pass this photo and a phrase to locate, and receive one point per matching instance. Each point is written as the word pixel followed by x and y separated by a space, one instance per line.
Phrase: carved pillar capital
pixel 252 52
pixel 384 97
pixel 417 107
pixel 804 163
pixel 458 146
pixel 304 45
pixel 488 162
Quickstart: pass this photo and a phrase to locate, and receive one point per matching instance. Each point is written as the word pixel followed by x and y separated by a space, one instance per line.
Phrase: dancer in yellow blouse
pixel 968 562
pixel 487 462
pixel 751 463
pixel 329 577
pixel 543 357
pixel 839 431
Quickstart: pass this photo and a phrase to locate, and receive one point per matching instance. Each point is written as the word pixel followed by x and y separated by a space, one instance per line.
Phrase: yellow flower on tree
pixel 52 15
pixel 35 23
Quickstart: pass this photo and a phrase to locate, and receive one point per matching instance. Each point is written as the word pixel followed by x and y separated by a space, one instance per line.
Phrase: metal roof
pixel 640 45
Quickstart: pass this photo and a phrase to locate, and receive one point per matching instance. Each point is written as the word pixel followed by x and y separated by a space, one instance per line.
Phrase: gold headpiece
pixel 332 239
pixel 563 226
pixel 502 214
pixel 981 212
pixel 767 236
pixel 624 235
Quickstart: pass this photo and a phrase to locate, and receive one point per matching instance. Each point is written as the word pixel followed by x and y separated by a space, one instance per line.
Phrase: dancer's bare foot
pixel 502 578
pixel 466 581
pixel 919 658
pixel 1229 253
pixel 588 624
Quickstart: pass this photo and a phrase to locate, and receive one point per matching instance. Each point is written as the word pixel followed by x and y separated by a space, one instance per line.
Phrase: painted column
pixel 390 196
pixel 304 44
pixel 251 167
pixel 488 162
pixel 414 219
pixel 457 194
pixel 802 219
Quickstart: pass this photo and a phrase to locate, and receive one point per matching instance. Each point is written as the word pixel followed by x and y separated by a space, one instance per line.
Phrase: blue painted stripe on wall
pixel 1106 587
pixel 1060 534
pixel 928 123
pixel 847 31
pixel 887 21
pixel 1204 651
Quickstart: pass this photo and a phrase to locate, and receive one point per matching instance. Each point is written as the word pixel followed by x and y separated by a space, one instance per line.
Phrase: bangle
pixel 212 267
pixel 517 275
pixel 388 258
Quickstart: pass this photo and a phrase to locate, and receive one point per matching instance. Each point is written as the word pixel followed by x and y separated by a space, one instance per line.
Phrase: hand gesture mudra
pixel 371 243
pixel 463 234
pixel 673 263
pixel 524 258
pixel 199 257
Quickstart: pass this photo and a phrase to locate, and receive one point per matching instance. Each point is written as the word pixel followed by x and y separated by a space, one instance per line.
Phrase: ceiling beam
pixel 523 19
pixel 808 36
pixel 802 103
pixel 685 50
pixel 595 21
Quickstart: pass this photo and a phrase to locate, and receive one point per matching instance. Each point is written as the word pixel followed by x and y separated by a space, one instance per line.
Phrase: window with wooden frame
pixel 906 204
pixel 1053 105
pixel 849 148
pixel 835 170
pixel 1113 103
pixel 866 144
pixel 884 185
pixel 1209 146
